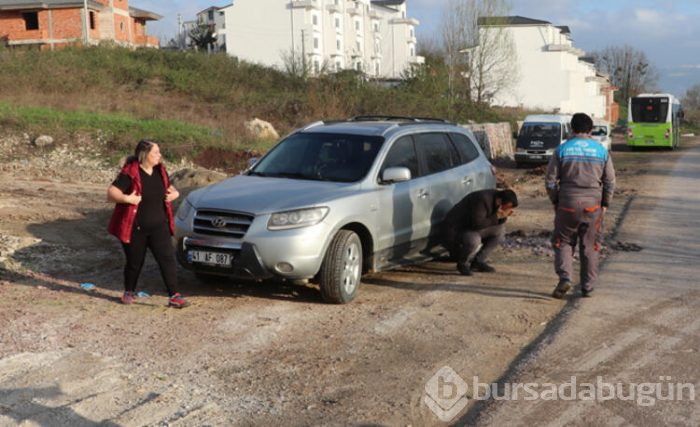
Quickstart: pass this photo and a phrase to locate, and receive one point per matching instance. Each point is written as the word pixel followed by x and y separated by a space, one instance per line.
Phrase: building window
pixel 315 42
pixel 92 20
pixel 376 27
pixel 359 46
pixel 211 15
pixel 317 66
pixel 337 22
pixel 410 32
pixel 358 66
pixel 413 52
pixel 338 45
pixel 121 26
pixel 338 66
pixel 357 25
pixel 314 19
pixel 31 20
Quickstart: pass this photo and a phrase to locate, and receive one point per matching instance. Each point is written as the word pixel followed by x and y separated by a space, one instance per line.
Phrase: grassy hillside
pixel 193 102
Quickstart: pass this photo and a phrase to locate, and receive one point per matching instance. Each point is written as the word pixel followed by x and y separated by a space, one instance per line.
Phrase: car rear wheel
pixel 341 270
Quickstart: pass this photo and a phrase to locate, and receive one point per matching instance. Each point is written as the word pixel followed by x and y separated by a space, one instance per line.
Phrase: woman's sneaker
pixel 177 301
pixel 128 297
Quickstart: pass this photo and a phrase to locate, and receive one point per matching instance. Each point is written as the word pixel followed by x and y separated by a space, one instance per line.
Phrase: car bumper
pixel 532 157
pixel 288 254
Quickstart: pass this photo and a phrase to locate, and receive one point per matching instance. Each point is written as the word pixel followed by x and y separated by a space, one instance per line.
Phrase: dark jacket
pixel 474 212
pixel 580 169
pixel 122 221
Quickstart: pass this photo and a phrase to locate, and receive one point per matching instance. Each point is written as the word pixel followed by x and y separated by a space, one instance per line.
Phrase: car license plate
pixel 649 141
pixel 536 157
pixel 211 258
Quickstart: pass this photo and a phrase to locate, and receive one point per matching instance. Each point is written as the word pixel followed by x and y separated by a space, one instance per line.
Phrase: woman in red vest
pixel 143 218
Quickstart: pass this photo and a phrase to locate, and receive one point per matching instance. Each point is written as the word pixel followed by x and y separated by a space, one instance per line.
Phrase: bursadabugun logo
pixel 446 394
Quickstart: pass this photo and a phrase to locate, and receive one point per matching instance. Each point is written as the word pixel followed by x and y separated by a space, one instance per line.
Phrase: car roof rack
pixel 408 119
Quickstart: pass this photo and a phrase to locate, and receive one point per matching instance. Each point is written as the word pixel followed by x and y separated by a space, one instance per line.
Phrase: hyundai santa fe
pixel 332 201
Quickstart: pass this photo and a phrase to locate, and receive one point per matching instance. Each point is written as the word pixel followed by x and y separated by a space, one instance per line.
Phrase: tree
pixel 691 104
pixel 479 61
pixel 629 70
pixel 202 37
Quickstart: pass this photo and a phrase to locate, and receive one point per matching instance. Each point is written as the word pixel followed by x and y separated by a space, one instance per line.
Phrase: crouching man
pixel 476 226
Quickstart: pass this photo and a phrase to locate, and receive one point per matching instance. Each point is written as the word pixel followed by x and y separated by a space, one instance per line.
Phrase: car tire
pixel 341 270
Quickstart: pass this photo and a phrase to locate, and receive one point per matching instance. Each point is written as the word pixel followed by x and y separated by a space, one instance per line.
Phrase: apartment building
pixel 375 37
pixel 553 75
pixel 48 24
pixel 214 19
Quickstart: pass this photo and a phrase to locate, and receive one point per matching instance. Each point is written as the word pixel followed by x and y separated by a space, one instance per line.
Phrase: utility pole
pixel 291 17
pixel 303 52
pixel 85 23
pixel 180 38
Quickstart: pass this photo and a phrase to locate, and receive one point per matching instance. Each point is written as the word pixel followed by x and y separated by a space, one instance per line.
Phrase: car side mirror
pixel 397 174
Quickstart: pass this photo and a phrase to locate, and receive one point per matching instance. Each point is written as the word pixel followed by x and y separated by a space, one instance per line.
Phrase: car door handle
pixel 466 180
pixel 423 194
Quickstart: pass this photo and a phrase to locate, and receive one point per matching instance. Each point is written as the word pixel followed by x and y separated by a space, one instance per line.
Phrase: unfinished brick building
pixel 48 24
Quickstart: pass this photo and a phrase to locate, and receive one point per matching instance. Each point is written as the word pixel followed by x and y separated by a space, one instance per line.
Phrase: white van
pixel 539 136
pixel 601 133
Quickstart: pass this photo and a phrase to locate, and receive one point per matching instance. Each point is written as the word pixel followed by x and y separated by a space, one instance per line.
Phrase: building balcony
pixel 354 11
pixel 306 4
pixel 373 14
pixel 405 21
pixel 419 60
pixel 411 40
pixel 334 8
pixel 336 54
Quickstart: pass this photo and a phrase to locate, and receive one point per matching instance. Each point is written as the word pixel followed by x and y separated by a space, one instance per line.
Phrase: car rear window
pixel 649 110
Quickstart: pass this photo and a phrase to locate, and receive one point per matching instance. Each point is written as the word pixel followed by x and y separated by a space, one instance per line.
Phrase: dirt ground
pixel 246 353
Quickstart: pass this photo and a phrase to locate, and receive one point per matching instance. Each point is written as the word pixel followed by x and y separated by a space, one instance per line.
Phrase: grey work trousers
pixel 469 242
pixel 582 222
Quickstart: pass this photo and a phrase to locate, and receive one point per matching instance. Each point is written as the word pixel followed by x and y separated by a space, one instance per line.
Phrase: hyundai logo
pixel 218 222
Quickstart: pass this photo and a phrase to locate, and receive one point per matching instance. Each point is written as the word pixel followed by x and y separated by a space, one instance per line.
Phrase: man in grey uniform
pixel 580 181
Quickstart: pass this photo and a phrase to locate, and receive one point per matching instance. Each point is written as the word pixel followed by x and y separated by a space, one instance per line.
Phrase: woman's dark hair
pixel 141 151
pixel 581 123
pixel 507 196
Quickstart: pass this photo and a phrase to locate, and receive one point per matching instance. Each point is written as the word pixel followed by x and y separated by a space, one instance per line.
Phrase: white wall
pixel 550 80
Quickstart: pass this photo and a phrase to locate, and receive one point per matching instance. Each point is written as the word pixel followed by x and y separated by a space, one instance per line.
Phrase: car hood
pixel 262 195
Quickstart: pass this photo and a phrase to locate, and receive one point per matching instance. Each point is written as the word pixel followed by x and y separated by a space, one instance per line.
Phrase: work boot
pixel 586 293
pixel 482 267
pixel 464 270
pixel 562 288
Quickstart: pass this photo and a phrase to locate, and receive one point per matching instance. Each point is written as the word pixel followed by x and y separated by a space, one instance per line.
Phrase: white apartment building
pixel 214 18
pixel 553 75
pixel 375 36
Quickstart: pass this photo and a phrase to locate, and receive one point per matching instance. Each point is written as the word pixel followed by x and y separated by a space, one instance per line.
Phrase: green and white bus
pixel 653 120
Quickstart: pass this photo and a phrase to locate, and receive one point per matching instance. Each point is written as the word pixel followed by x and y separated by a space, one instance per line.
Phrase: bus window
pixel 649 110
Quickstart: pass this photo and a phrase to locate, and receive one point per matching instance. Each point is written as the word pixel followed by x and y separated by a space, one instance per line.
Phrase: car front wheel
pixel 342 268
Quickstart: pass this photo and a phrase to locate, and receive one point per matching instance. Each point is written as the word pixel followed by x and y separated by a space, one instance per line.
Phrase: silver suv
pixel 334 200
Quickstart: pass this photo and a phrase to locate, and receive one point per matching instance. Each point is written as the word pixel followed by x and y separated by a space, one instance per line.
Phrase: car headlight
pixel 296 218
pixel 184 210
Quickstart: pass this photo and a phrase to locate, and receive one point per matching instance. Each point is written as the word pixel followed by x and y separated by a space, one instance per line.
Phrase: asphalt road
pixel 641 326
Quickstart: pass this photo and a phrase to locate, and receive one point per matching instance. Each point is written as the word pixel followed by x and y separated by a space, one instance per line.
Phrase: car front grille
pixel 222 223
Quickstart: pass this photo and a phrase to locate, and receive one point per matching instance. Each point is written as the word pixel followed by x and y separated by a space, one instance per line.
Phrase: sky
pixel 666 30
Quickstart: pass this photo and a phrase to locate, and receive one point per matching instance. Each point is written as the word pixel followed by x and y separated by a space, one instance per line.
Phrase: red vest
pixel 124 214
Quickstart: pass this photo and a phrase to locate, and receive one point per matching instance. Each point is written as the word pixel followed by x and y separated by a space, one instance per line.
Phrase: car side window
pixel 465 146
pixel 437 151
pixel 402 154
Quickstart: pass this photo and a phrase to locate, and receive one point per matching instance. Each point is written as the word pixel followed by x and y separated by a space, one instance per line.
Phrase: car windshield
pixel 321 157
pixel 541 130
pixel 599 131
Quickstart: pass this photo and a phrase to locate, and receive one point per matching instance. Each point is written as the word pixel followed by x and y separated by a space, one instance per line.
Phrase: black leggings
pixel 158 240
